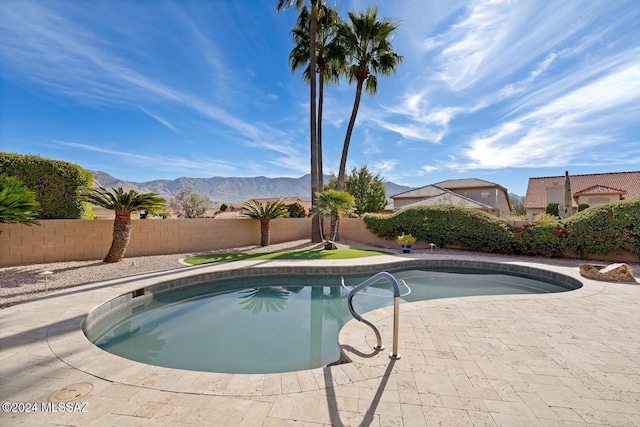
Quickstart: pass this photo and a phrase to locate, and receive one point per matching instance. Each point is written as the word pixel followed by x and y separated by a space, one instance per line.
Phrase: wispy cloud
pixel 158 118
pixel 565 128
pixel 201 166
pixel 68 58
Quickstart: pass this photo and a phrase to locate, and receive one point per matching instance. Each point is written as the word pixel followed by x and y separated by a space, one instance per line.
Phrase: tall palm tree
pixel 313 24
pixel 334 204
pixel 17 203
pixel 367 42
pixel 265 213
pixel 123 204
pixel 331 61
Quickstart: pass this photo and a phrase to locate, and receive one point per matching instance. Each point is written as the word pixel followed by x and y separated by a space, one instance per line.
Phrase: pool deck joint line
pixel 565 359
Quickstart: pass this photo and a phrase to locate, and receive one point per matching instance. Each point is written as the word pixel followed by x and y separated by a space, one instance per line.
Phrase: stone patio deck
pixel 567 359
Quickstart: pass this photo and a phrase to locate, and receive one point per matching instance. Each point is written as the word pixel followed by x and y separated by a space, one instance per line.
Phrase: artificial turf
pixel 296 254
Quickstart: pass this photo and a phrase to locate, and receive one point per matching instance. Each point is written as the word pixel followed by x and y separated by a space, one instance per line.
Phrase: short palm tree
pixel 17 203
pixel 333 203
pixel 367 42
pixel 123 204
pixel 265 213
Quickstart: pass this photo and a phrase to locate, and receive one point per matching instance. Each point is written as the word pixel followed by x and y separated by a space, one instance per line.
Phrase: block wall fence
pixel 79 240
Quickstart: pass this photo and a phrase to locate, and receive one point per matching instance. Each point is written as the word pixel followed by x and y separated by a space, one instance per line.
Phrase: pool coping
pixel 75 350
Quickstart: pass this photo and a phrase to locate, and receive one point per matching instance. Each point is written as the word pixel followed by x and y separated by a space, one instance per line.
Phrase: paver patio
pixel 567 359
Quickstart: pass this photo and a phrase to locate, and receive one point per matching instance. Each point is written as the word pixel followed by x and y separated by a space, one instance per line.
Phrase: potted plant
pixel 405 241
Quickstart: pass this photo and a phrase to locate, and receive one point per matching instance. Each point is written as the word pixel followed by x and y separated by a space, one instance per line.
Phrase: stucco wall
pixel 65 240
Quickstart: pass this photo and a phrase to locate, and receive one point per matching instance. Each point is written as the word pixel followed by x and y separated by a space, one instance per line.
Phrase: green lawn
pixel 299 254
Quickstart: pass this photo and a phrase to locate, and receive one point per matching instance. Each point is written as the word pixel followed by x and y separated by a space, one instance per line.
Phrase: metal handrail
pixel 396 309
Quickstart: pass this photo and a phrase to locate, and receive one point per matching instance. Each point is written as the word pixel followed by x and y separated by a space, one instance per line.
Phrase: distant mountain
pixel 228 190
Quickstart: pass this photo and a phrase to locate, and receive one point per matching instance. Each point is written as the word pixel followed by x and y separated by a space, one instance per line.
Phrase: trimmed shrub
pixel 405 221
pixel 296 210
pixel 612 228
pixel 447 225
pixel 545 237
pixel 553 209
pixel 582 206
pixel 55 184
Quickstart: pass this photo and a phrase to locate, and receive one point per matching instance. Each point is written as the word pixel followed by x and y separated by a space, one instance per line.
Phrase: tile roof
pixel 625 181
pixel 436 195
pixel 600 189
pixel 451 184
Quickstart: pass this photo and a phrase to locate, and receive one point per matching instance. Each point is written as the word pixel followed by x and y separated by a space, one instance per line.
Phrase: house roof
pixel 600 183
pixel 467 183
pixel 438 194
pixel 451 184
pixel 600 189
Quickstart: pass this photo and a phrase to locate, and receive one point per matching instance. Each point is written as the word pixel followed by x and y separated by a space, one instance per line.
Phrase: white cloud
pixel 565 128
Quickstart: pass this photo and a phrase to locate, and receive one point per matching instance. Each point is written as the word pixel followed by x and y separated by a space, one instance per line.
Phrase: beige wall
pixel 355 229
pixel 66 240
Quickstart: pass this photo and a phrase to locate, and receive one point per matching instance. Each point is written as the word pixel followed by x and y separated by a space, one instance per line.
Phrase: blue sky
pixel 496 90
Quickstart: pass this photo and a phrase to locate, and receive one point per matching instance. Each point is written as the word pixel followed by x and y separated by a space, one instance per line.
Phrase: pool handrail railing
pixel 396 309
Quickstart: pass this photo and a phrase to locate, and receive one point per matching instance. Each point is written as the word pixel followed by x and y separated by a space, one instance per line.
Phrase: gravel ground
pixel 23 283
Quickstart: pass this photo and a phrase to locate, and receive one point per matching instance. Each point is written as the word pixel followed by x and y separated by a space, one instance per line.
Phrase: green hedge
pixel 55 183
pixel 605 229
pixel 608 229
pixel 447 225
pixel 545 238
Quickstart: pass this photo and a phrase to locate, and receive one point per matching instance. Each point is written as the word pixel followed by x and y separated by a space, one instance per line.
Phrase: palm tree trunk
pixel 347 138
pixel 335 220
pixel 265 232
pixel 320 109
pixel 313 29
pixel 121 236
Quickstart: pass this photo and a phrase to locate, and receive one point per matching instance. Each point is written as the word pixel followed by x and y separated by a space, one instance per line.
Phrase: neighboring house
pixel 589 189
pixel 472 193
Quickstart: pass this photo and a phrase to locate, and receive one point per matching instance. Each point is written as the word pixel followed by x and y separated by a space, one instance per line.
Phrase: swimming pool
pixel 269 324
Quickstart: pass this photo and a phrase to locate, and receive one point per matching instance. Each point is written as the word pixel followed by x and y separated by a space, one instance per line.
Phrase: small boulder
pixel 610 273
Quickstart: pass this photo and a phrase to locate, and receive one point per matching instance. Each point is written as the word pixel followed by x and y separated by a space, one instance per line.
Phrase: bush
pixel 296 210
pixel 545 237
pixel 446 225
pixel 56 184
pixel 553 209
pixel 605 229
pixel 582 206
pixel 406 221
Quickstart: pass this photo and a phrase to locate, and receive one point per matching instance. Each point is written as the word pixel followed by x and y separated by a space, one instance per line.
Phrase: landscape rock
pixel 619 272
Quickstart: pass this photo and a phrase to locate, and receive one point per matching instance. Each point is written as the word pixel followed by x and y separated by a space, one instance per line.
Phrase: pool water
pixel 277 324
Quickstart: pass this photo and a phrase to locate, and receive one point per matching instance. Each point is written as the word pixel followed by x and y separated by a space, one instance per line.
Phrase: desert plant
pixel 123 203
pixel 265 213
pixel 17 203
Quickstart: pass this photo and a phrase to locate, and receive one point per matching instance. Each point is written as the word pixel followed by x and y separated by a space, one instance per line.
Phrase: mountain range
pixel 228 190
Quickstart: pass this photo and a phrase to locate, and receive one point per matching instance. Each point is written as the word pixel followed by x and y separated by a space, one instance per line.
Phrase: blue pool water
pixel 277 324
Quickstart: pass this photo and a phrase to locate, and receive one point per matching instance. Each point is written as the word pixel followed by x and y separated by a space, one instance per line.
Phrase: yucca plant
pixel 17 203
pixel 265 213
pixel 123 203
